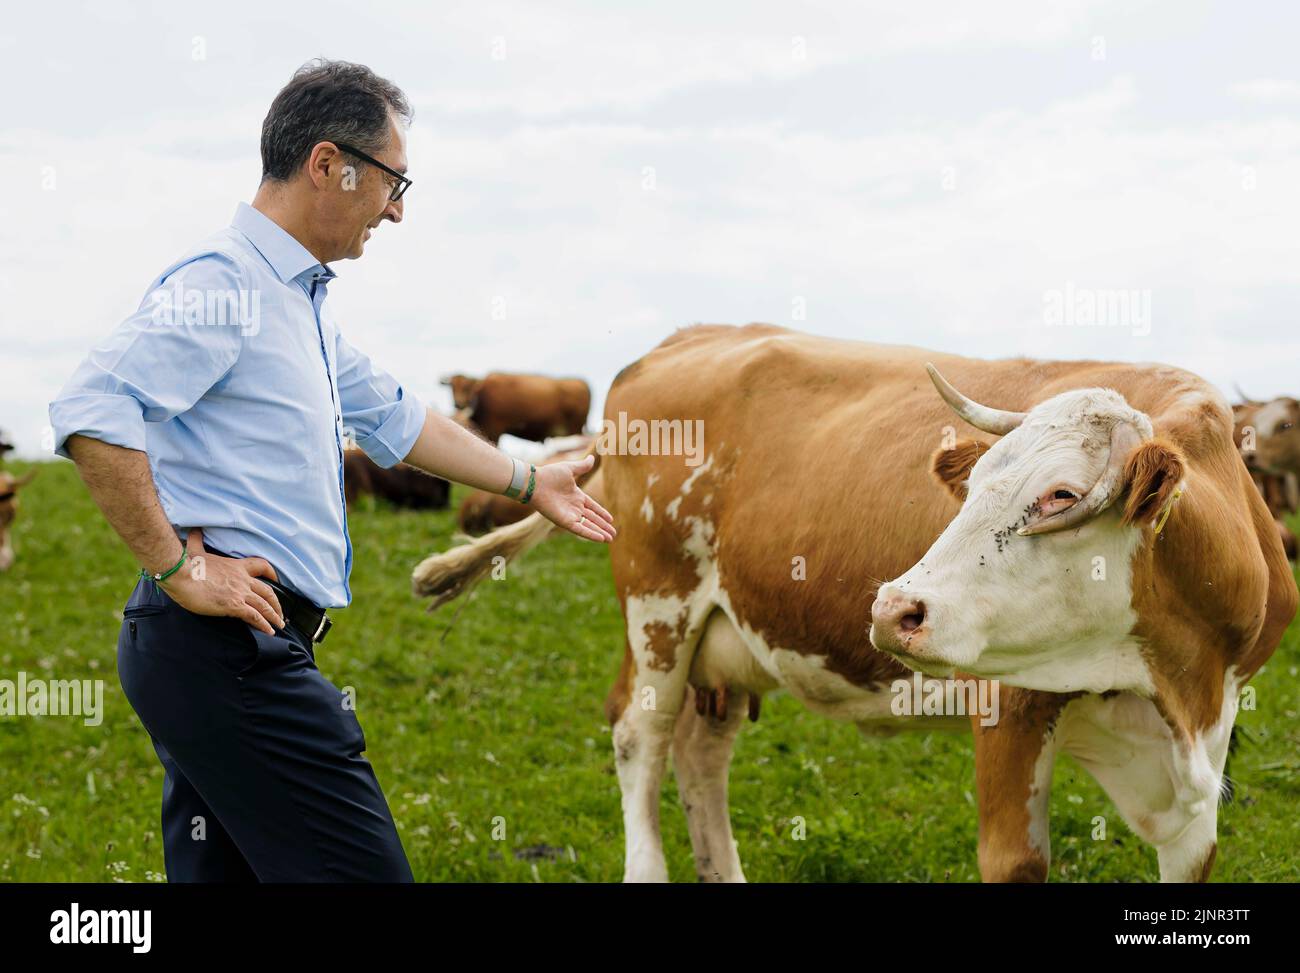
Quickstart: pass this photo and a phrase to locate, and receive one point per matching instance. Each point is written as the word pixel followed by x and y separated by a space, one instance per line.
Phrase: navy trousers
pixel 265 778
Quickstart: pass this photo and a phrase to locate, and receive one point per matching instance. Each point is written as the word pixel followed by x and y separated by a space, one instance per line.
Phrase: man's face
pixel 359 201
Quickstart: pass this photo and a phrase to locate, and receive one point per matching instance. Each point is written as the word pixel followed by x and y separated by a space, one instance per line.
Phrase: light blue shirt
pixel 235 380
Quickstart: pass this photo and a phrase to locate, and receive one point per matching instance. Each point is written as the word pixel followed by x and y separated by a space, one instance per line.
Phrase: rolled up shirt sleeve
pixel 157 363
pixel 382 417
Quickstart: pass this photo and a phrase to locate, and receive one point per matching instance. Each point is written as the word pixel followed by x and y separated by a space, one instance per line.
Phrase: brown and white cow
pixel 1268 435
pixel 758 568
pixel 533 407
pixel 9 487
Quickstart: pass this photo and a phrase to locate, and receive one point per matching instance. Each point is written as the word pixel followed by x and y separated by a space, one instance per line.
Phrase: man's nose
pixel 897 621
pixel 393 211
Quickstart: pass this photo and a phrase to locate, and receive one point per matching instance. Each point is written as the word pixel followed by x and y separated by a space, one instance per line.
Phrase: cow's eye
pixel 1054 501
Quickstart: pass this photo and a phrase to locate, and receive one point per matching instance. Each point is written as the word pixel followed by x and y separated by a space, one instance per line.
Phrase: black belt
pixel 301 613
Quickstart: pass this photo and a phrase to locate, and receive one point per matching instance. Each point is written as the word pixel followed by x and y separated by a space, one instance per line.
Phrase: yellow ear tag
pixel 1168 509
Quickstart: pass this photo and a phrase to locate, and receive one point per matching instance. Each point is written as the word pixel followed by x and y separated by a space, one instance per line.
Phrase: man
pixel 216 415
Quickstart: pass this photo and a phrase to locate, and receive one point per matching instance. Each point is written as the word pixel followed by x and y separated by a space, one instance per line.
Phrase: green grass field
pixel 501 722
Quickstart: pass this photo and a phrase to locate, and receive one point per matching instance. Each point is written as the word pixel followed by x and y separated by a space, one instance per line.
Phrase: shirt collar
pixel 287 257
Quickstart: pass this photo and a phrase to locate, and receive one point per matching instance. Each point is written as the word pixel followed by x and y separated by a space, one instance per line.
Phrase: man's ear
pixel 1152 474
pixel 951 466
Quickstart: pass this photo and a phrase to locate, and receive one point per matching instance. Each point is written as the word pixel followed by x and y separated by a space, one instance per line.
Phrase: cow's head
pixel 9 487
pixel 464 391
pixel 1276 426
pixel 1034 569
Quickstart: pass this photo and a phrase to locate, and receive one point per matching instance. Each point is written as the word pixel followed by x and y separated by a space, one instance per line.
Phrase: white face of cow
pixel 1013 589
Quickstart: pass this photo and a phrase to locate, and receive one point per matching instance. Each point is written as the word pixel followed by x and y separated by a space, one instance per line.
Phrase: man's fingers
pixel 255 618
pixel 259 567
pixel 587 528
pixel 590 533
pixel 609 518
pixel 598 516
pixel 263 608
pixel 267 594
pixel 601 525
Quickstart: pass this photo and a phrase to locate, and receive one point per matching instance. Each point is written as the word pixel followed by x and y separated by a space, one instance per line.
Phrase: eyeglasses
pixel 403 184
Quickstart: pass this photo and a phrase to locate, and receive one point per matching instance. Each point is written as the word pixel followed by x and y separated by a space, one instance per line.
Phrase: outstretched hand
pixel 560 500
pixel 208 584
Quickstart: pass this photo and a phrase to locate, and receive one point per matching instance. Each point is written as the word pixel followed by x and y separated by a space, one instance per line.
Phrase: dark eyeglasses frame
pixel 403 183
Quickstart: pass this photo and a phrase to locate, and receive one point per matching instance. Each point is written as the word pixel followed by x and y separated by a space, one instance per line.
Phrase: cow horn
pixel 1124 437
pixel 997 421
pixel 1245 399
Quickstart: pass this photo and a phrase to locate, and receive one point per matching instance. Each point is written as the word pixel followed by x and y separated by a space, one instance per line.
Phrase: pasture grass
pixel 498 725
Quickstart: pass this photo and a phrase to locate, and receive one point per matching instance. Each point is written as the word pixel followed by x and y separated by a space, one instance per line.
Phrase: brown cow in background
pixel 532 407
pixel 481 511
pixel 1268 435
pixel 402 485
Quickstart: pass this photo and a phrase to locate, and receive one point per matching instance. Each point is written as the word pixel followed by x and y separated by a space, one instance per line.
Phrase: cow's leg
pixel 1167 791
pixel 1190 856
pixel 701 759
pixel 1013 777
pixel 642 736
pixel 643 709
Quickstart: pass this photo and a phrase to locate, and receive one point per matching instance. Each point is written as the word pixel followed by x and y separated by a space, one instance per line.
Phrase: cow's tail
pixel 445 577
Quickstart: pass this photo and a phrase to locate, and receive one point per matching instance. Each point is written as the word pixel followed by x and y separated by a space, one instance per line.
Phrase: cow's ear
pixel 952 465
pixel 1153 475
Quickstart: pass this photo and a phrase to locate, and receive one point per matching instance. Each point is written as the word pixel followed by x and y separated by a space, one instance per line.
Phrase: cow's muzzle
pixel 898 624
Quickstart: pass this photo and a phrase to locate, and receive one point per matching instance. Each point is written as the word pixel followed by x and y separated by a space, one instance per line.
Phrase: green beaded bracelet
pixel 532 484
pixel 156 578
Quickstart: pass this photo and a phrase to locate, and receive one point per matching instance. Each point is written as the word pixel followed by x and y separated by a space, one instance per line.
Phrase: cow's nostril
pixel 913 619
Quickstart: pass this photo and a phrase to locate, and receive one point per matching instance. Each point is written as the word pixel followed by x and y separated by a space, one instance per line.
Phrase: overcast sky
pixel 602 173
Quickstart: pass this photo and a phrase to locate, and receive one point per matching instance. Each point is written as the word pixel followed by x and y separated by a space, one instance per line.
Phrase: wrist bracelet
pixel 163 576
pixel 516 480
pixel 532 484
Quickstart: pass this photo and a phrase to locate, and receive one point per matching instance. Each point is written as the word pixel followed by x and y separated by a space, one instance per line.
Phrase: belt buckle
pixel 324 626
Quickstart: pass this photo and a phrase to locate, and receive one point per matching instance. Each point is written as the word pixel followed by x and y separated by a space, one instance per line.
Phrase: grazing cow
pixel 528 406
pixel 758 567
pixel 9 487
pixel 481 511
pixel 401 485
pixel 1268 435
